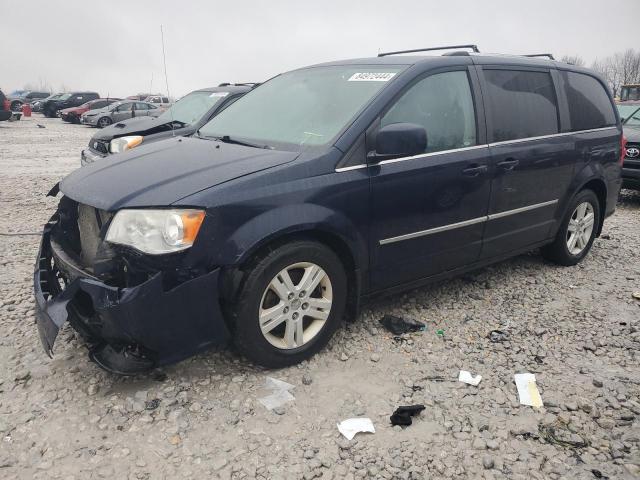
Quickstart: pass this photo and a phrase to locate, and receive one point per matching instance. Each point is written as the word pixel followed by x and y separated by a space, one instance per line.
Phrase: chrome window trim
pixel 466 223
pixel 552 135
pixel 354 167
pixel 474 147
pixel 433 154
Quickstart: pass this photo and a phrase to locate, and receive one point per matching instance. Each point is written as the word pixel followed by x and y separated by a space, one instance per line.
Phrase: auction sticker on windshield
pixel 371 77
pixel 219 94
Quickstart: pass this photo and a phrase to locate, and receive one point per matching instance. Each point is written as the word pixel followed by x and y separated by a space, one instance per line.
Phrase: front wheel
pixel 577 231
pixel 291 302
pixel 16 107
pixel 104 122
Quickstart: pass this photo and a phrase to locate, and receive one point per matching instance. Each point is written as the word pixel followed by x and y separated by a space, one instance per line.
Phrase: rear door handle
pixel 509 164
pixel 474 170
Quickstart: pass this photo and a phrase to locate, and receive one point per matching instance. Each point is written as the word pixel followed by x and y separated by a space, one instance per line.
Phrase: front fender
pixel 280 221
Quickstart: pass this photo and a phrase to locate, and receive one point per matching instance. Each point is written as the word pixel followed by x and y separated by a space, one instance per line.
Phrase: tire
pixel 16 106
pixel 559 251
pixel 103 122
pixel 257 296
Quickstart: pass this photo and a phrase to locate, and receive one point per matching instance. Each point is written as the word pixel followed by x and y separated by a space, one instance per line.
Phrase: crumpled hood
pixel 162 173
pixel 130 126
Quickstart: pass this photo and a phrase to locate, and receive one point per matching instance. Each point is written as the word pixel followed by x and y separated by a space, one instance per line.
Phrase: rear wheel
pixel 290 304
pixel 577 231
pixel 104 122
pixel 16 106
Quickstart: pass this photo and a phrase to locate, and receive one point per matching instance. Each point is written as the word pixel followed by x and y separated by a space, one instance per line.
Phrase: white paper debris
pixel 351 426
pixel 280 393
pixel 275 384
pixel 276 399
pixel 528 390
pixel 466 377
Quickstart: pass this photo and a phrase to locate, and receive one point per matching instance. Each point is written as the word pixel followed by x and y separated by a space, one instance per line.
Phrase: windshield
pixel 303 108
pixel 64 96
pixel 191 108
pixel 630 114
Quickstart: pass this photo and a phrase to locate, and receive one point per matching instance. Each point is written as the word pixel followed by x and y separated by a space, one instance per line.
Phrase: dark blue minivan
pixel 322 187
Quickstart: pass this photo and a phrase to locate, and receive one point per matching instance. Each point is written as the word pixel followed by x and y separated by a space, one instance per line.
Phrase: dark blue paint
pixel 256 196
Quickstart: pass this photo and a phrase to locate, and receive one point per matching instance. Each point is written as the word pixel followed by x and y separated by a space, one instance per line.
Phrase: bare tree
pixel 576 60
pixel 619 69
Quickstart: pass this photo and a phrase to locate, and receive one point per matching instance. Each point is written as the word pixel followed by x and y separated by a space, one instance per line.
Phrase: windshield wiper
pixel 228 139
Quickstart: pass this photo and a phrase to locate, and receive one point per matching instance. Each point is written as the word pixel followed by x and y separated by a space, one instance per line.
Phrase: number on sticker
pixel 371 77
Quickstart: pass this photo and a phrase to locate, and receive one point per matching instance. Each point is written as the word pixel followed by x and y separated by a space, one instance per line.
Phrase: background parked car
pixel 26 97
pixel 184 117
pixel 142 96
pixel 116 112
pixel 5 111
pixel 36 106
pixel 630 116
pixel 159 101
pixel 73 114
pixel 67 100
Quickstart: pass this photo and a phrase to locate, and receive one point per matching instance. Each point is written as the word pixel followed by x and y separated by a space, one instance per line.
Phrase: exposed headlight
pixel 156 231
pixel 122 144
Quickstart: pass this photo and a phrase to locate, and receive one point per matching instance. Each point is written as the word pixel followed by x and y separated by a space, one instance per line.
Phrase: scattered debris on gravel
pixel 576 329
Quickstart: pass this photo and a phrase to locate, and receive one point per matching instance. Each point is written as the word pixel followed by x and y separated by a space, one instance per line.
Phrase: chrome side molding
pixel 466 223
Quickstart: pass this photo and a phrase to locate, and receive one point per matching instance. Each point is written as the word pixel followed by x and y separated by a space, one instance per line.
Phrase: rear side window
pixel 443 105
pixel 589 104
pixel 521 104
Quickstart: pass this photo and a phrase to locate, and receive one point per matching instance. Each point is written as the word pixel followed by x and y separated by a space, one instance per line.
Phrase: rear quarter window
pixel 521 104
pixel 589 103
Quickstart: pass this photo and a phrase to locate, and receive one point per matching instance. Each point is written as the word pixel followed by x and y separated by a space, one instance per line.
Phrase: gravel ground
pixel 577 329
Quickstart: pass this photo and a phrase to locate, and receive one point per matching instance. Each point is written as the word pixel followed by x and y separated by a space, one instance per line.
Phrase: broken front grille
pixel 80 231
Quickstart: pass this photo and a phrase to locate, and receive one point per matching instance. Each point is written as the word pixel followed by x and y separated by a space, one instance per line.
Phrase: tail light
pixel 6 105
pixel 623 148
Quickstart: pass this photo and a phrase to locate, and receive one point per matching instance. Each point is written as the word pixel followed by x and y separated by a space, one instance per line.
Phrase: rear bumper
pixel 131 329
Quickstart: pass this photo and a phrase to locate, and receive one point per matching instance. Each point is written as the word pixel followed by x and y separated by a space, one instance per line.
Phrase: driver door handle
pixel 508 164
pixel 474 170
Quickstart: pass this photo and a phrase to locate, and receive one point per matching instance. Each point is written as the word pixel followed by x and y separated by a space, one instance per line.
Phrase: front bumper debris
pixel 131 329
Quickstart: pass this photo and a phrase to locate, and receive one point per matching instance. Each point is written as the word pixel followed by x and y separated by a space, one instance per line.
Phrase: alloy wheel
pixel 295 305
pixel 580 228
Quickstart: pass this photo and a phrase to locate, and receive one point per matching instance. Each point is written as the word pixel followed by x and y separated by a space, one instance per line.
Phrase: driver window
pixel 443 105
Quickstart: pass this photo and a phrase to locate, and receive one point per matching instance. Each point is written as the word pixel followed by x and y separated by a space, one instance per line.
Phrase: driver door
pixel 429 210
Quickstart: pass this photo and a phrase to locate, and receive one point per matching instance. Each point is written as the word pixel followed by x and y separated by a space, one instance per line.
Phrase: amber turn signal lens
pixel 191 222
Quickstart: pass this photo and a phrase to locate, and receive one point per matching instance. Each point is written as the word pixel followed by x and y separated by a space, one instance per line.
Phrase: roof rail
pixel 548 55
pixel 450 47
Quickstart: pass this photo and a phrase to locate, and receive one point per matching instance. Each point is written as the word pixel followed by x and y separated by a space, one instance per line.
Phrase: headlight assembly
pixel 155 231
pixel 123 144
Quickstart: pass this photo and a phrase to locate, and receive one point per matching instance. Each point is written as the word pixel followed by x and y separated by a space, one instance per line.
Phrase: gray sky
pixel 114 46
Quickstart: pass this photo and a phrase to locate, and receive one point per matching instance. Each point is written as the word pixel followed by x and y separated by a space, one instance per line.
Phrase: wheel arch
pixel 321 225
pixel 591 177
pixel 599 187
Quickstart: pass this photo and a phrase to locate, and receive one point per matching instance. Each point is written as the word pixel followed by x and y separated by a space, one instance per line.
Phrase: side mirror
pixel 399 140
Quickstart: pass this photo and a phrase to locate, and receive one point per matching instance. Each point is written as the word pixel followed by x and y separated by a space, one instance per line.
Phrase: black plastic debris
pixel 152 404
pixel 402 415
pixel 40 126
pixel 399 325
pixel 497 336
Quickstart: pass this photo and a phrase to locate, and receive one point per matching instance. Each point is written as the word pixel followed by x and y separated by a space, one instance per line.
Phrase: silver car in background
pixel 116 112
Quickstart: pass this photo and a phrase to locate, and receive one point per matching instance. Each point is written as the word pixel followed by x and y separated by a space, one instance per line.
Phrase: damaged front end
pixel 135 311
